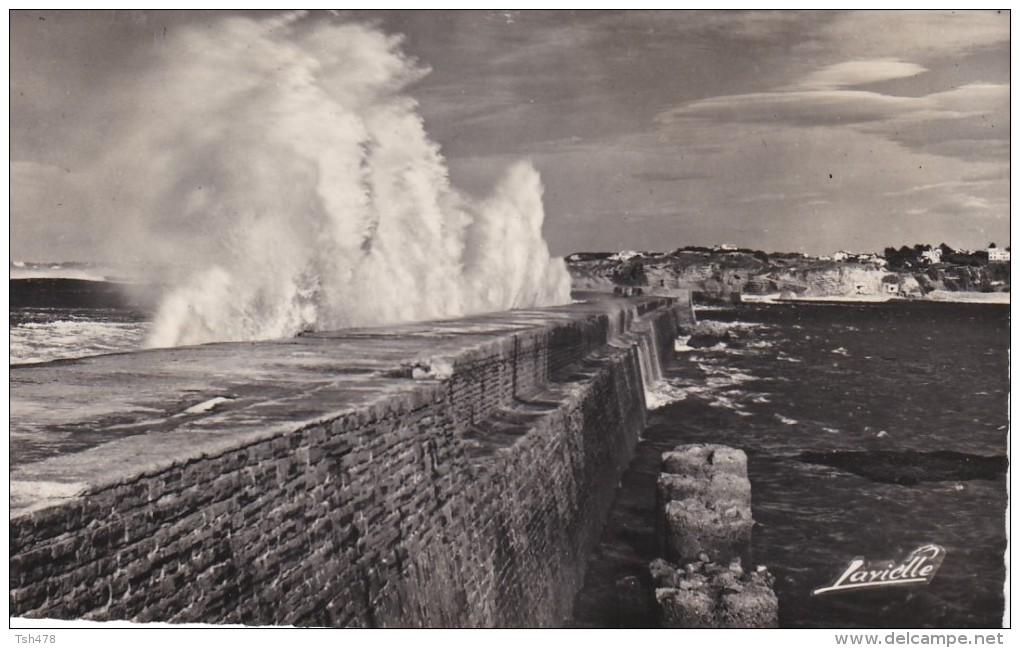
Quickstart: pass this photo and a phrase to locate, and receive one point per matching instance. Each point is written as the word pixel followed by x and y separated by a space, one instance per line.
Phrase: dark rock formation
pixel 909 468
pixel 707 334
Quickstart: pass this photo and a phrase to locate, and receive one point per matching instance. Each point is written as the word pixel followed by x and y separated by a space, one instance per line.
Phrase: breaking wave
pixel 281 163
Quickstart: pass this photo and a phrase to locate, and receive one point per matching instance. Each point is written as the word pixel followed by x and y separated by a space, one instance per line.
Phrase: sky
pixel 782 131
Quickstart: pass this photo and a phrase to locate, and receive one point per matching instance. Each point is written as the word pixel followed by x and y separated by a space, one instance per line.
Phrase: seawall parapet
pixel 450 473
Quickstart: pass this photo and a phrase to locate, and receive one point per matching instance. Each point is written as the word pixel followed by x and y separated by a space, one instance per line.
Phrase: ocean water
pixel 44 334
pixel 889 386
pixel 846 412
pixel 53 318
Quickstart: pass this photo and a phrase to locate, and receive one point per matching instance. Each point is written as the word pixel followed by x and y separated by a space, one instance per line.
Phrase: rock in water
pixel 708 334
pixel 909 468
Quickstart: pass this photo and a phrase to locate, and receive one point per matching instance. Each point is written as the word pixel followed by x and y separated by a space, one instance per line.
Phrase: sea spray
pixel 279 170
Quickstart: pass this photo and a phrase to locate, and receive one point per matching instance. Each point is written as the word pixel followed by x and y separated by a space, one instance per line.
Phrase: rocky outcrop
pixel 990 278
pixel 846 279
pixel 706 334
pixel 909 468
pixel 716 275
pixel 705 594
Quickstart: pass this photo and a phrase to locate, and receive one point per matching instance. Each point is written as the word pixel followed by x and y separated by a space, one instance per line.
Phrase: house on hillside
pixel 932 256
pixel 891 284
pixel 624 255
pixel 997 254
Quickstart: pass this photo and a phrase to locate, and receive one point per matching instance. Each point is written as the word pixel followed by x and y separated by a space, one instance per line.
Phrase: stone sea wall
pixel 455 474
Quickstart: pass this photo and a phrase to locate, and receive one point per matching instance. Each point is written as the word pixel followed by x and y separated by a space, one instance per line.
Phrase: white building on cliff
pixel 997 255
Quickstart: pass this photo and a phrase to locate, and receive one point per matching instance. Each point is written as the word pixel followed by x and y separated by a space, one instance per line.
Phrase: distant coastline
pixel 731 275
pixel 960 297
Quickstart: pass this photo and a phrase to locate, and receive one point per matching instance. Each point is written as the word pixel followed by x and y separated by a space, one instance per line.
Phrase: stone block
pixel 709 595
pixel 755 606
pixel 686 608
pixel 716 487
pixel 721 530
pixel 702 459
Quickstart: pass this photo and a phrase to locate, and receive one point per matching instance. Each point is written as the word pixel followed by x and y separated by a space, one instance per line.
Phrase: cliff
pixel 720 274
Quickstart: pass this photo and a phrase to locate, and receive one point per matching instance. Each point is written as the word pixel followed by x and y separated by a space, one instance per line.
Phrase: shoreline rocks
pixel 707 334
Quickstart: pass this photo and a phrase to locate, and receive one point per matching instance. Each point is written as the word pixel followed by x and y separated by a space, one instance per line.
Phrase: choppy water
pixel 44 334
pixel 906 379
pixel 884 380
pixel 53 318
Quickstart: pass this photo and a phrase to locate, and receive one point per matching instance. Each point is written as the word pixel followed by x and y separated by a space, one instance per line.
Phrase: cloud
pixel 802 108
pixel 660 176
pixel 783 197
pixel 645 113
pixel 949 184
pixel 818 99
pixel 909 34
pixel 974 98
pixel 856 73
pixel 961 122
pixel 971 122
pixel 973 206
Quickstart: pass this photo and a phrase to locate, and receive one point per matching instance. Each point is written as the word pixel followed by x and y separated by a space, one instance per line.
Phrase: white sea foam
pixel 719 387
pixel 437 368
pixel 664 393
pixel 45 341
pixel 55 272
pixel 205 406
pixel 722 376
pixel 302 191
pixel 725 402
pixel 746 326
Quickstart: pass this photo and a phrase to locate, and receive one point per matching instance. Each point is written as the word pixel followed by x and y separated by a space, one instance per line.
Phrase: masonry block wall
pixel 474 502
